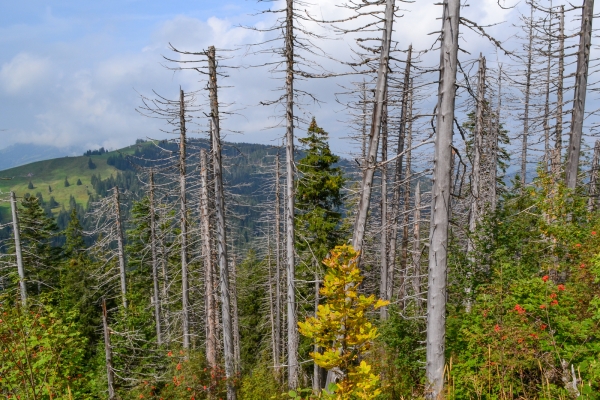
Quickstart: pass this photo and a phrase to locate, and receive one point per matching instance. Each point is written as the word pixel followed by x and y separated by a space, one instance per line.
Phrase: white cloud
pixel 23 73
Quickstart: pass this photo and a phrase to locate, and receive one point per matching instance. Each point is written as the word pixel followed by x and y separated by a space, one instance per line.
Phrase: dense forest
pixel 453 255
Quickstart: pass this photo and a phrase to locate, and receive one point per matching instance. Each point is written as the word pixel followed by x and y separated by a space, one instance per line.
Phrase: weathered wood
pixel 155 295
pixel 121 248
pixel 110 377
pixel 185 302
pixel 18 251
pixel 525 137
pixel 383 245
pixel 581 77
pixel 440 203
pixel 227 320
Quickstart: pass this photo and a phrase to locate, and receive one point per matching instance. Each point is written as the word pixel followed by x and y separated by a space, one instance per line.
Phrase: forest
pixel 454 254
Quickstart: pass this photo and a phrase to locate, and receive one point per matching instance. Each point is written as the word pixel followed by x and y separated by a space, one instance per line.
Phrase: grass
pixel 52 173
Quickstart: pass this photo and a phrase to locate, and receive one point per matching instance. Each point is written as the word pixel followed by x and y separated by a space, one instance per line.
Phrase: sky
pixel 72 73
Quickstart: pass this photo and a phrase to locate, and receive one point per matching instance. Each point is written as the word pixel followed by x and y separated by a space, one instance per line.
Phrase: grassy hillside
pixel 52 173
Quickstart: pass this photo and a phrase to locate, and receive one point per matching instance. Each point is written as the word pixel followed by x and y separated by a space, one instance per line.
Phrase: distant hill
pixel 21 154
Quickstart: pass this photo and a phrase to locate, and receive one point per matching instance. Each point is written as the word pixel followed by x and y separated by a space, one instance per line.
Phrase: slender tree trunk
pixel 110 377
pixel 236 318
pixel 384 273
pixel 583 60
pixel 185 306
pixel 559 92
pixel 271 301
pixel 547 154
pixel 395 209
pixel 316 368
pixel 18 251
pixel 527 97
pixel 228 345
pixel 292 317
pixel 371 160
pixel 406 201
pixel 440 204
pixel 209 279
pixel 365 103
pixel 495 147
pixel 121 249
pixel 278 349
pixel 416 256
pixel 593 194
pixel 156 297
pixel 476 182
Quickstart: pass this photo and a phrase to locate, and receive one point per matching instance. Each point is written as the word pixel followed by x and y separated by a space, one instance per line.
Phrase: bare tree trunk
pixel 476 201
pixel 18 251
pixel 228 345
pixel 236 318
pixel 583 60
pixel 395 210
pixel 156 297
pixel 547 154
pixel 527 97
pixel 593 193
pixel 121 249
pixel 440 204
pixel 209 279
pixel 316 368
pixel 495 147
pixel 371 160
pixel 292 317
pixel 416 256
pixel 384 273
pixel 559 92
pixel 406 200
pixel 365 103
pixel 108 354
pixel 278 349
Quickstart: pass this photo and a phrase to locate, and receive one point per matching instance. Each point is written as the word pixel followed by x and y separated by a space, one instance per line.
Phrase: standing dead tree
pixel 120 247
pixel 440 202
pixel 581 82
pixel 18 251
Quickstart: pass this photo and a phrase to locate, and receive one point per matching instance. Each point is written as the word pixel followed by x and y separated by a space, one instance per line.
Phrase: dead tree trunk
pixel 121 249
pixel 292 317
pixel 406 201
pixel 495 137
pixel 593 192
pixel 110 377
pixel 277 333
pixel 209 279
pixel 370 162
pixel 395 210
pixel 581 76
pixel 235 317
pixel 18 251
pixel 153 239
pixel 384 273
pixel 476 200
pixel 527 97
pixel 559 91
pixel 183 209
pixel 440 203
pixel 228 345
pixel 416 256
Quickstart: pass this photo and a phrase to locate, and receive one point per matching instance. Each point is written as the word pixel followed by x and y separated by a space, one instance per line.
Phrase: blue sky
pixel 72 72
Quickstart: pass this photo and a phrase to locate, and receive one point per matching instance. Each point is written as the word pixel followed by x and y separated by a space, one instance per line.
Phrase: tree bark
pixel 209 279
pixel 278 349
pixel 228 345
pixel 121 249
pixel 292 317
pixel 583 60
pixel 593 193
pixel 559 92
pixel 108 353
pixel 383 245
pixel 476 200
pixel 371 160
pixel 406 201
pixel 527 96
pixel 440 204
pixel 183 209
pixel 416 256
pixel 156 297
pixel 18 251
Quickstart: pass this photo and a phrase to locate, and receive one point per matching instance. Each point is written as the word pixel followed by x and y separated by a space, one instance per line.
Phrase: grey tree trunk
pixel 440 204
pixel 235 317
pixel 18 251
pixel 559 92
pixel 183 209
pixel 209 278
pixel 110 377
pixel 495 137
pixel 583 61
pixel 292 317
pixel 227 320
pixel 153 239
pixel 365 103
pixel 121 249
pixel 416 256
pixel 527 98
pixel 395 206
pixel 371 159
pixel 316 369
pixel 547 154
pixel 406 200
pixel 383 246
pixel 277 333
pixel 593 193
pixel 476 200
